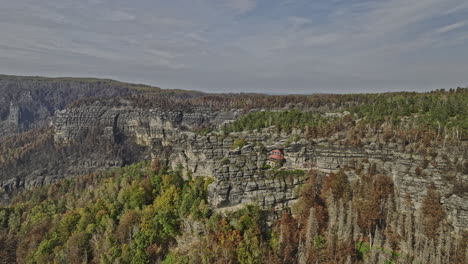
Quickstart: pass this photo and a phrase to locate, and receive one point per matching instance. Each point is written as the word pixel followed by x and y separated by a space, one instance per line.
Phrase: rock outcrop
pixel 240 175
pixel 37 98
pixel 97 137
pixel 143 124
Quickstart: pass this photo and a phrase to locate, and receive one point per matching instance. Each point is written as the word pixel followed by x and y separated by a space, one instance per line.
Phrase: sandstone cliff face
pixel 29 102
pixel 143 124
pixel 46 171
pixel 410 174
pixel 243 180
pixel 240 175
pixel 117 127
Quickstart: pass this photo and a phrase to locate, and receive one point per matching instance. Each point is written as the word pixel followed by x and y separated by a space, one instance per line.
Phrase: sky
pixel 267 46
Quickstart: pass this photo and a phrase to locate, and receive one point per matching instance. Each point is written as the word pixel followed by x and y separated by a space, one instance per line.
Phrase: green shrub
pixel 238 143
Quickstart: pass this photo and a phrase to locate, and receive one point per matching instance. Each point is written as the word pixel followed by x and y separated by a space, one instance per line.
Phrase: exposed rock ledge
pixel 239 175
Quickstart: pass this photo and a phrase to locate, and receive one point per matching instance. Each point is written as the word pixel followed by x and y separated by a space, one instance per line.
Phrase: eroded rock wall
pixel 241 176
pixel 144 124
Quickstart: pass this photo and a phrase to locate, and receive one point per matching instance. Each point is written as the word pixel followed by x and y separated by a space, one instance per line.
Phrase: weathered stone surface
pixel 238 177
pixel 30 102
pixel 144 124
pixel 239 174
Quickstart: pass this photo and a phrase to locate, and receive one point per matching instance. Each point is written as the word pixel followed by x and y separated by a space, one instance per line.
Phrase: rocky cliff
pixel 97 137
pixel 241 175
pixel 145 125
pixel 30 102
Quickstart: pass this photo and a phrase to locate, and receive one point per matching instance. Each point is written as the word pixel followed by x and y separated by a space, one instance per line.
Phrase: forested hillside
pixel 137 174
pixel 28 102
pixel 438 110
pixel 144 214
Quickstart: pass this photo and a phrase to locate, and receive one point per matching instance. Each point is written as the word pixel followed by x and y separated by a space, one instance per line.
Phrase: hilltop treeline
pixel 417 122
pixel 317 102
pixel 440 109
pixel 445 112
pixel 437 109
pixel 38 97
pixel 148 213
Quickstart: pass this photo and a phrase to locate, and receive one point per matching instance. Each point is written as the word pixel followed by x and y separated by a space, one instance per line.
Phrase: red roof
pixel 276 157
pixel 276 154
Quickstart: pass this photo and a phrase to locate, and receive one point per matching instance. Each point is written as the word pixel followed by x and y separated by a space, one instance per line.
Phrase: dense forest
pixel 149 212
pixel 438 110
pixel 425 119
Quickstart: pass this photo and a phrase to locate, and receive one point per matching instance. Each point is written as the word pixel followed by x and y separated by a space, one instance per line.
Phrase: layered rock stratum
pixel 241 175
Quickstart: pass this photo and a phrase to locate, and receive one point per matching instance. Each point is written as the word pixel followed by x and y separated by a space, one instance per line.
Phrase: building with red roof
pixel 276 158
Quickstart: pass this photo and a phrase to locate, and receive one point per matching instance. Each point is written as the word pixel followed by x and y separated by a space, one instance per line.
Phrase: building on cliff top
pixel 276 158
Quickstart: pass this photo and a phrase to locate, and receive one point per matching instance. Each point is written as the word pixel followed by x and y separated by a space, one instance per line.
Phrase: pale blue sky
pixel 271 46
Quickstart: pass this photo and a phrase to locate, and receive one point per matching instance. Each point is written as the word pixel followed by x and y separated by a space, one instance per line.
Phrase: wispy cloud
pixel 299 21
pixel 241 6
pixel 197 37
pixel 119 15
pixel 452 27
pixel 251 45
pixel 457 9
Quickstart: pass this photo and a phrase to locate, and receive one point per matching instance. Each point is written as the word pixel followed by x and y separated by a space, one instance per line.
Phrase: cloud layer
pixel 275 46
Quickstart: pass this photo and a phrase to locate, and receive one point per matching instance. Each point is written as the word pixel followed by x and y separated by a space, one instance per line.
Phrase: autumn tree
pixel 433 212
pixel 155 165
